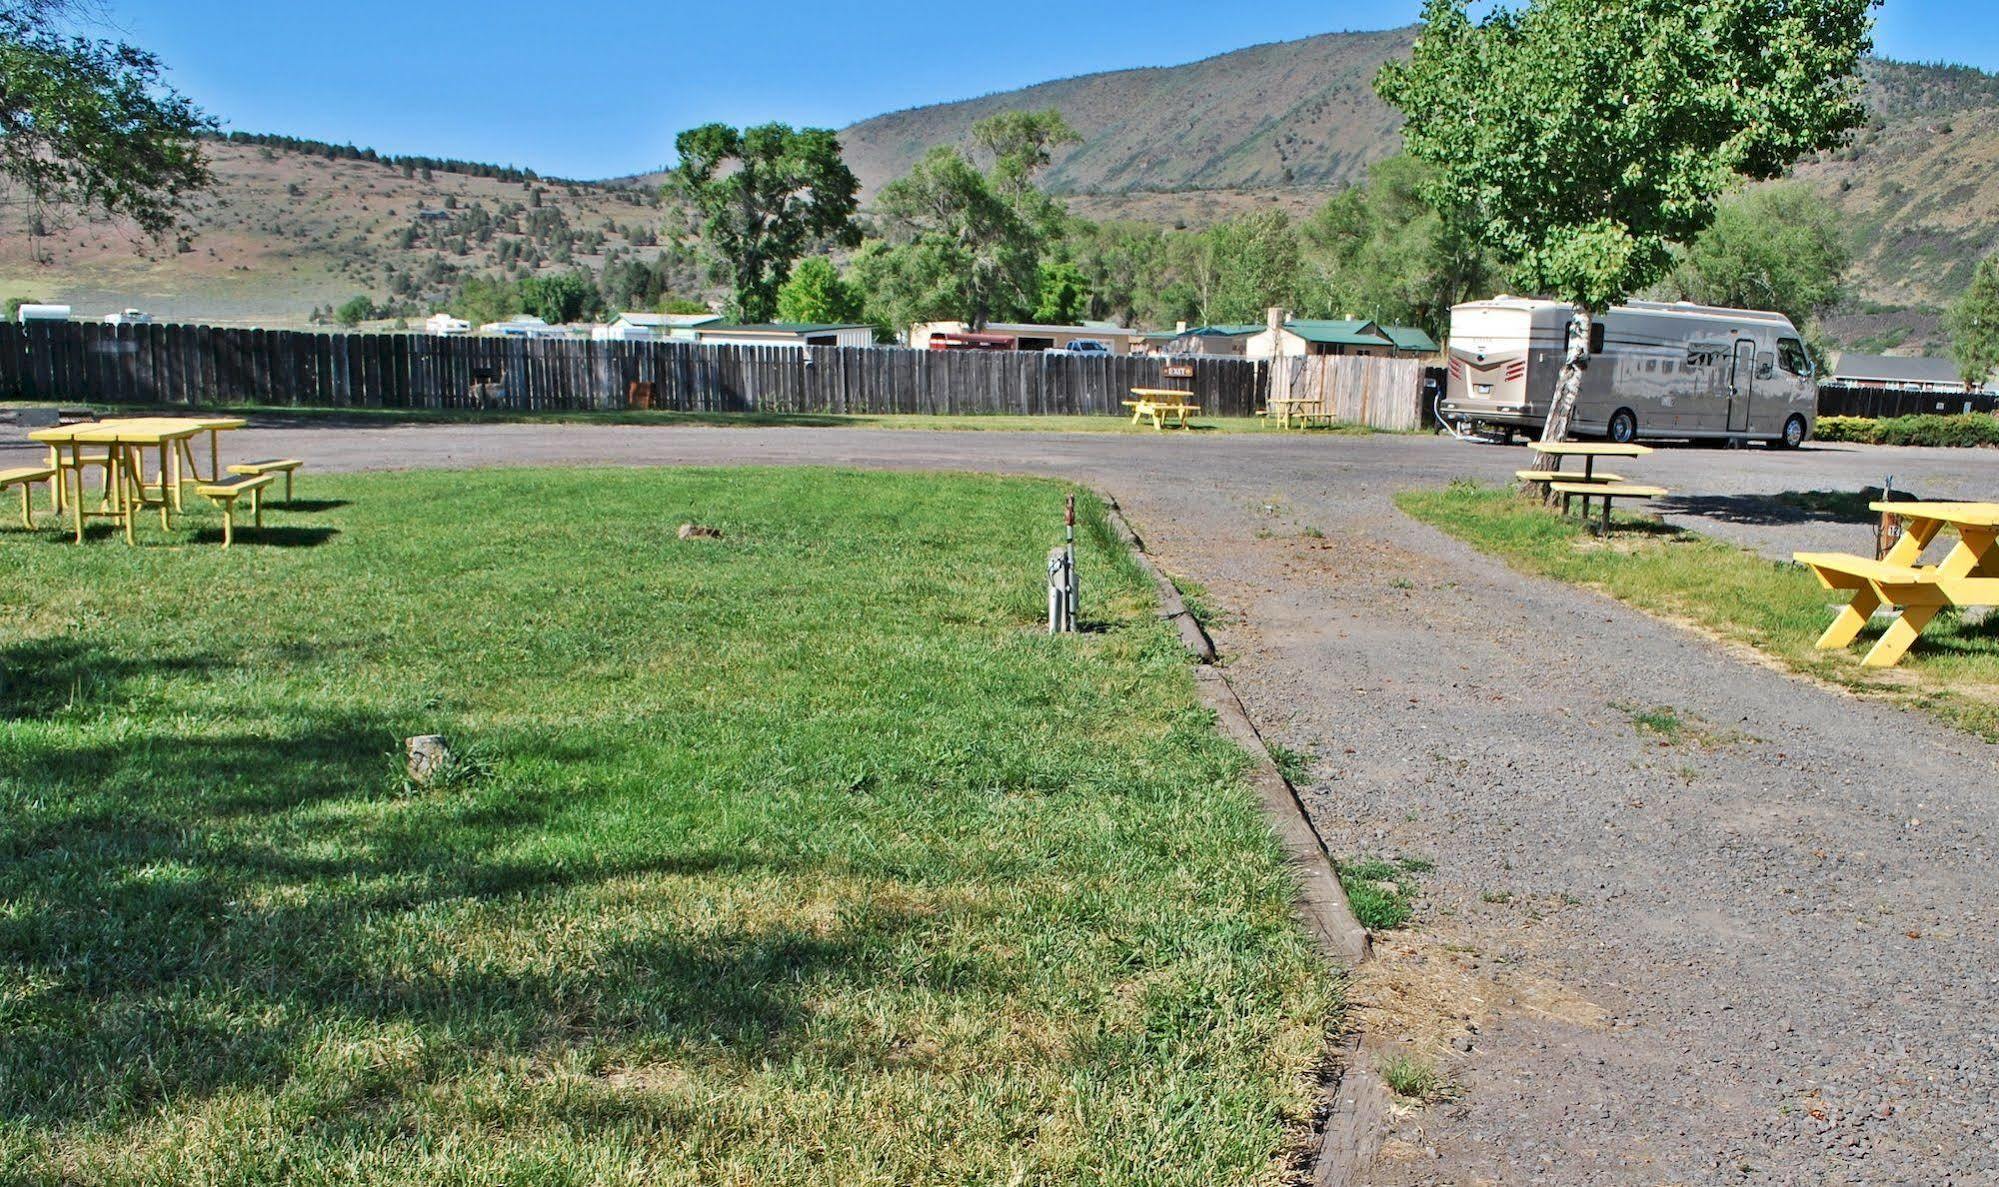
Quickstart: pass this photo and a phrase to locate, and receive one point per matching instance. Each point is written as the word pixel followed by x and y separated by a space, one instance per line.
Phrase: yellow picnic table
pixel 125 443
pixel 181 458
pixel 1588 451
pixel 1967 576
pixel 1160 403
pixel 1282 410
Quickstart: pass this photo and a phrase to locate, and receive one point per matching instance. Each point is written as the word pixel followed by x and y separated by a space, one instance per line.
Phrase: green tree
pixel 765 195
pixel 88 124
pixel 816 295
pixel 1778 247
pixel 1584 137
pixel 353 311
pixel 965 243
pixel 954 248
pixel 560 298
pixel 1065 293
pixel 1973 325
pixel 1380 250
pixel 1124 267
pixel 1244 266
pixel 484 299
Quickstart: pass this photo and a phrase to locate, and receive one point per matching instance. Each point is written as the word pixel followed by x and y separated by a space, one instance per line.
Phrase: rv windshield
pixel 1490 330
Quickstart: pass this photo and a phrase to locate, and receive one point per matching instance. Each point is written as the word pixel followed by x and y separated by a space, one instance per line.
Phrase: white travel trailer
pixel 1656 370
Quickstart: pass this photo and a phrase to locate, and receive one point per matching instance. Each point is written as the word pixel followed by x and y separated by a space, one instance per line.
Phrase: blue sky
pixel 598 89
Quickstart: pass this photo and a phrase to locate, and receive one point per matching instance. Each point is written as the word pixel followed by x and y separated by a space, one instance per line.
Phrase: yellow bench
pixel 26 477
pixel 1606 491
pixel 1159 404
pixel 1566 476
pixel 283 465
pixel 224 494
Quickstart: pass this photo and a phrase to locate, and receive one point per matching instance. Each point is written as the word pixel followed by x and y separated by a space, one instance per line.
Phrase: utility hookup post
pixel 1062 591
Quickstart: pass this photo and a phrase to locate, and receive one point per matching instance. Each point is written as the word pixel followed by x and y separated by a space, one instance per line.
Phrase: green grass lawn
pixel 1776 607
pixel 802 856
pixel 272 414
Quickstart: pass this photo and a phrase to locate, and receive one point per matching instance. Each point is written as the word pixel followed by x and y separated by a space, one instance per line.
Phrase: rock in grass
pixel 694 531
pixel 429 754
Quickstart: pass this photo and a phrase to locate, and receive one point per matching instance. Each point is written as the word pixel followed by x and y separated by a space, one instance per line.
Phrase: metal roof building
pixel 1914 374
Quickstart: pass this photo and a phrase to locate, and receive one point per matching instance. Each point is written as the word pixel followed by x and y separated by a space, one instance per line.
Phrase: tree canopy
pixel 964 243
pixel 1973 325
pixel 1584 137
pixel 1380 250
pixel 1779 247
pixel 89 124
pixel 765 196
pixel 816 295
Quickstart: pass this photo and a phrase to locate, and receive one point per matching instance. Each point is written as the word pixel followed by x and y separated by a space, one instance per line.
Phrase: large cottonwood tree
pixel 89 124
pixel 1584 137
pixel 766 195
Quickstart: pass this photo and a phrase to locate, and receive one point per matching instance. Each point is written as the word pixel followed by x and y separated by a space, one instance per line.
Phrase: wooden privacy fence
pixel 1378 392
pixel 1838 399
pixel 84 362
pixel 87 362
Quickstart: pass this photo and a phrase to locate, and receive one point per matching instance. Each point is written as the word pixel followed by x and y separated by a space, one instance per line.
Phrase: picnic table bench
pixel 1160 404
pixel 1605 493
pixel 1967 576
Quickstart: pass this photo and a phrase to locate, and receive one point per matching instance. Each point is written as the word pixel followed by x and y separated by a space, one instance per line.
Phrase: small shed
pixel 798 334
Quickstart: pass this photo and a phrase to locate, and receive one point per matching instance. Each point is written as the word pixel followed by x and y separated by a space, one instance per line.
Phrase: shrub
pixel 1962 430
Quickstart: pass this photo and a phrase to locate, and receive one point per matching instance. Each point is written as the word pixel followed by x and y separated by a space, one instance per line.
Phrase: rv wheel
pixel 1794 433
pixel 1623 427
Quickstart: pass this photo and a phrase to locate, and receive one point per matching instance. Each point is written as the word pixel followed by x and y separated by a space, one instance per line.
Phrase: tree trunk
pixel 1569 388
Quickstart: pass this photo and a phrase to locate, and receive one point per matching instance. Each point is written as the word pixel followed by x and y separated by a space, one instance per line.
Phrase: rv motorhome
pixel 1655 370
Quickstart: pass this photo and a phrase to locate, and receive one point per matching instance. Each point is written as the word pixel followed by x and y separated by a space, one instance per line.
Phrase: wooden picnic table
pixel 125 442
pixel 1161 403
pixel 1589 451
pixel 1282 410
pixel 1967 576
pixel 181 457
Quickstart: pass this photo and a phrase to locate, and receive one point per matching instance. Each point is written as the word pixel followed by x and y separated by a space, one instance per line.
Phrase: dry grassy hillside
pixel 1292 113
pixel 283 231
pixel 1278 125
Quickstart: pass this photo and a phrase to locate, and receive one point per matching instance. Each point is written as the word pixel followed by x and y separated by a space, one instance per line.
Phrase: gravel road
pixel 1759 950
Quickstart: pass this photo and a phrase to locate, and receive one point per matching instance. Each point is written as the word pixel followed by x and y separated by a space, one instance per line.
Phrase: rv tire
pixel 1623 427
pixel 1794 433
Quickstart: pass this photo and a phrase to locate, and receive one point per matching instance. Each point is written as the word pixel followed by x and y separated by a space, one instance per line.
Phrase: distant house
pixel 652 327
pixel 43 313
pixel 797 334
pixel 524 325
pixel 1284 336
pixel 446 326
pixel 1030 336
pixel 1231 340
pixel 128 317
pixel 1895 373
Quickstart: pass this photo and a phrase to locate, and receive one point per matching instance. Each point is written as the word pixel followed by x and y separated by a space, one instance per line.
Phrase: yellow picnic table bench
pixel 125 443
pixel 1967 576
pixel 1161 404
pixel 1283 410
pixel 1589 483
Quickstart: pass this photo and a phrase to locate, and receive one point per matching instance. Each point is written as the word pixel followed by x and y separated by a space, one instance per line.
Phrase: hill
pixel 287 229
pixel 1284 123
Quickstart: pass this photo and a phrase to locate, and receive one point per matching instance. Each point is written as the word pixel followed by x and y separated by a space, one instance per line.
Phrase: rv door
pixel 1741 385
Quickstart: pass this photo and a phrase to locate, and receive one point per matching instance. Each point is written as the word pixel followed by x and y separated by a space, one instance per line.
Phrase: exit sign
pixel 1180 371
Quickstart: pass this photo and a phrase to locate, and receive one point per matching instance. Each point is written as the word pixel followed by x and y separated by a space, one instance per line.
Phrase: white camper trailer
pixel 1656 370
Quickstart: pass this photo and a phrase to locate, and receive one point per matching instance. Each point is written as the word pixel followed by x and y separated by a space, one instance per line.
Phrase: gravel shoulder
pixel 1762 953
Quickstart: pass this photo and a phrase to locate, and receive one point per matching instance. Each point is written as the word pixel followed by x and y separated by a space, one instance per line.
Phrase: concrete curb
pixel 1351 1125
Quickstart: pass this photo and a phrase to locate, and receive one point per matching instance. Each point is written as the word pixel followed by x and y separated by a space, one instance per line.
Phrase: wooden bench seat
pixel 1607 492
pixel 1845 570
pixel 225 494
pixel 1566 476
pixel 26 477
pixel 282 465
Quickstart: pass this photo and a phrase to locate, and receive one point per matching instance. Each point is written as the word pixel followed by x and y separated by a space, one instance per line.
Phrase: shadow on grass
pixel 1788 508
pixel 307 506
pixel 269 536
pixel 197 908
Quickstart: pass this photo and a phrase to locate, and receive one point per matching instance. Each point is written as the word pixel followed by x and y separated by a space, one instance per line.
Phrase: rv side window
pixel 1596 337
pixel 1704 354
pixel 1792 356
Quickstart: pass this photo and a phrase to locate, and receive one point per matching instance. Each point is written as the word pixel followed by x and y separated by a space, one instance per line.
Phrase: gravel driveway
pixel 1756 948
